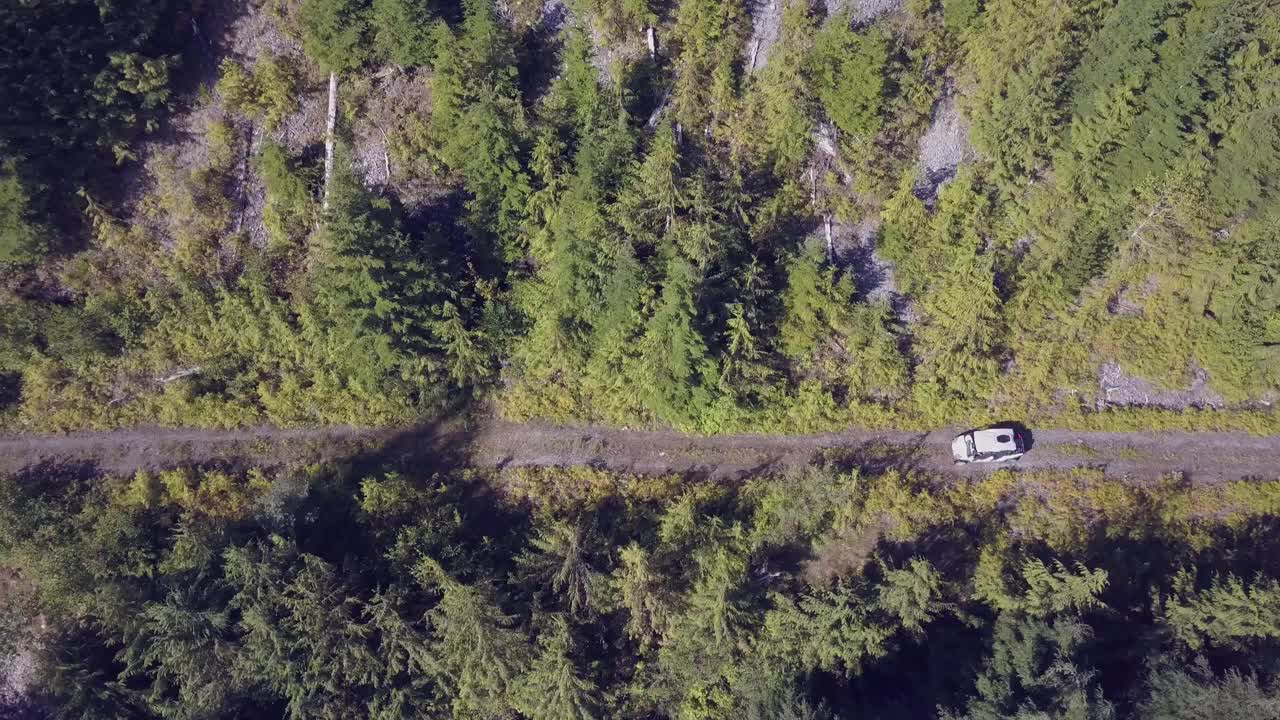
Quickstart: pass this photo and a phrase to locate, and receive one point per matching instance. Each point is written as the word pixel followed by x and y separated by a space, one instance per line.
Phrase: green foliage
pixel 632 248
pixel 643 596
pixel 270 92
pixel 553 689
pixel 22 239
pixel 1181 49
pixel 1196 695
pixel 959 15
pixel 289 206
pixel 960 340
pixel 135 78
pixel 781 95
pixel 849 74
pixel 479 123
pixel 278 89
pixel 1227 611
pixel 317 593
pixel 831 630
pixel 84 81
pixel 709 34
pixel 911 594
pixel 826 333
pixel 1020 62
pixel 672 354
pixel 796 510
pixel 646 269
pixel 402 31
pixel 335 33
pixel 620 19
pixel 559 559
pixel 474 644
pixel 1033 673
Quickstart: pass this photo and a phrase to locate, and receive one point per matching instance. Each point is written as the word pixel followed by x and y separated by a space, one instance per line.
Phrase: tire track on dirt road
pixel 1203 457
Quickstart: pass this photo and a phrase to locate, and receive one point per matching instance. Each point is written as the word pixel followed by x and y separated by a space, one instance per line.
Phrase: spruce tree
pixel 553 688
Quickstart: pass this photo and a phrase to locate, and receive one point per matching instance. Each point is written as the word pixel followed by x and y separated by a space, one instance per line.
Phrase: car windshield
pixel 968 444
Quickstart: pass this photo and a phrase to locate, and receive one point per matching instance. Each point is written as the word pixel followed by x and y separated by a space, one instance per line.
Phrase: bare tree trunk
pixel 161 381
pixel 831 255
pixel 657 112
pixel 178 375
pixel 1157 212
pixel 755 51
pixel 386 155
pixel 330 126
pixel 242 183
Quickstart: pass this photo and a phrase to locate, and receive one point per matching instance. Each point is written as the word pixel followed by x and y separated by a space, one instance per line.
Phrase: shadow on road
pixel 876 457
pixel 50 477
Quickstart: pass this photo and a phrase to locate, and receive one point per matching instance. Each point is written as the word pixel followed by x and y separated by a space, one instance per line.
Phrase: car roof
pixel 993 440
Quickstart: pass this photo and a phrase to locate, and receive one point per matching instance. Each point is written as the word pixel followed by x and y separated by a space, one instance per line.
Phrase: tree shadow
pixel 875 457
pixel 47 477
pixel 538 53
pixel 919 675
pixel 930 183
pixel 18 706
pixel 859 261
pixel 10 389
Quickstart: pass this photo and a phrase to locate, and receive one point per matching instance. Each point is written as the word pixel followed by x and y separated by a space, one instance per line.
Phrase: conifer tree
pixel 1038 641
pixel 475 649
pixel 709 34
pixel 182 645
pixel 1228 612
pixel 1178 694
pixel 479 123
pixel 960 340
pixel 335 33
pixel 402 31
pixel 781 94
pixel 673 356
pixel 824 331
pixel 22 239
pixel 559 559
pixel 831 630
pixel 553 688
pixel 849 75
pixel 642 595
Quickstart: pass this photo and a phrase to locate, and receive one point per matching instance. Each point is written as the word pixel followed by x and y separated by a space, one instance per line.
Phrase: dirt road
pixel 1204 457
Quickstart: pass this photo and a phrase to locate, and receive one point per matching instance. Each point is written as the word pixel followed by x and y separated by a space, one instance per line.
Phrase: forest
pixel 410 587
pixel 785 217
pixel 692 216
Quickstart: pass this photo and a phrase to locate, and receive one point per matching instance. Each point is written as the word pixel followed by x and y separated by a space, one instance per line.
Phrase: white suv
pixel 997 444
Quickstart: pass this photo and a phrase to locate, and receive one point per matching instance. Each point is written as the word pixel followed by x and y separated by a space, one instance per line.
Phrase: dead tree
pixel 831 253
pixel 330 125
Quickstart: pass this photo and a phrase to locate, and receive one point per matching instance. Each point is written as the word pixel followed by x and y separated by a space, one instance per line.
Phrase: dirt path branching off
pixel 1203 457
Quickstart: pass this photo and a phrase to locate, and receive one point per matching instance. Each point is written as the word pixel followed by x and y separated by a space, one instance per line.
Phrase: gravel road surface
pixel 1203 457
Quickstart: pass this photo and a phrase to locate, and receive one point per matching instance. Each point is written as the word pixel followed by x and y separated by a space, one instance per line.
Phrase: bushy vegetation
pixel 394 590
pixel 596 234
pixel 83 81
